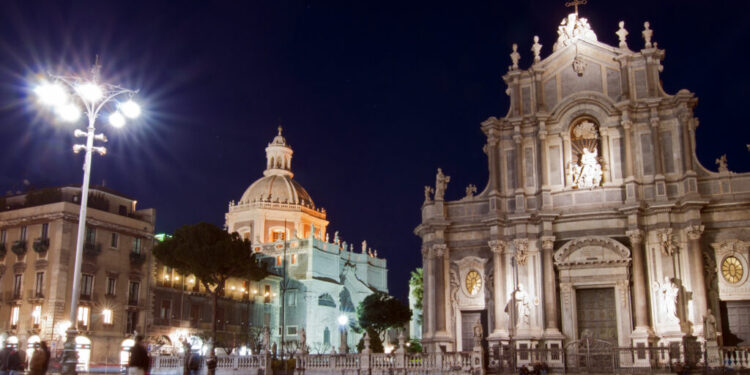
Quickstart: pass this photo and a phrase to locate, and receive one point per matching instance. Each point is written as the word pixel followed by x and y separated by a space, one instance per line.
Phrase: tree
pixel 213 256
pixel 380 311
pixel 417 291
pixel 376 345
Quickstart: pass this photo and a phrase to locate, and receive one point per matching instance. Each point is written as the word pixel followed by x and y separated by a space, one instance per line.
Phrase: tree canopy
pixel 417 290
pixel 211 254
pixel 380 311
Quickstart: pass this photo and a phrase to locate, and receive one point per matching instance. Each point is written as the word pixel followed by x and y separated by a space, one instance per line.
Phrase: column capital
pixel 635 235
pixel 626 124
pixel 521 245
pixel 548 242
pixel 694 232
pixel 654 122
pixel 497 246
pixel 426 252
pixel 439 250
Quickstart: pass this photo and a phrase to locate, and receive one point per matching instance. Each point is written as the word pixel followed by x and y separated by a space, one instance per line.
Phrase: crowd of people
pixel 13 360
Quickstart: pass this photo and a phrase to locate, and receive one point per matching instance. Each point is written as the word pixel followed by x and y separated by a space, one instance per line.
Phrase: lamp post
pixel 66 94
pixel 343 320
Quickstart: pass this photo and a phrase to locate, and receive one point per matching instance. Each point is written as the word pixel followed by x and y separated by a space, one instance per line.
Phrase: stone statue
pixel 478 334
pixel 266 339
pixel 364 246
pixel 427 191
pixel 536 49
pixel 572 28
pixel 668 293
pixel 336 238
pixel 274 350
pixel 647 34
pixel 375 253
pixel 709 326
pixel 622 34
pixel 514 57
pixel 523 307
pixel 722 163
pixel 441 184
pixel 470 191
pixel 326 236
pixel 588 173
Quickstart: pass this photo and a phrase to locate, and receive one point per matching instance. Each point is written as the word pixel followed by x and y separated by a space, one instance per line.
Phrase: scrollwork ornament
pixel 497 246
pixel 522 245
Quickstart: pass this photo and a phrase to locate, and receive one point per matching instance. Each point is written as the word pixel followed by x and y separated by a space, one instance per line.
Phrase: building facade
pixel 597 220
pixel 38 232
pixel 315 279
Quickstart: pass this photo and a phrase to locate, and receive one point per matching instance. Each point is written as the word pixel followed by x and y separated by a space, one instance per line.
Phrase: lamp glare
pixel 343 320
pixel 51 94
pixel 130 109
pixel 90 92
pixel 68 112
pixel 117 120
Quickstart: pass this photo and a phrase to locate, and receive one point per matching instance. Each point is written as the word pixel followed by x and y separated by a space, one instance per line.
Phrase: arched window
pixel 326 300
pixel 326 336
pixel 345 301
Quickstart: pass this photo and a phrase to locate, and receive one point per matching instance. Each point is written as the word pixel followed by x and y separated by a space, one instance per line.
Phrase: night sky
pixel 373 96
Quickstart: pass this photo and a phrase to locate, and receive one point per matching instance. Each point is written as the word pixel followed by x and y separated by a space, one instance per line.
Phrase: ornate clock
pixel 473 282
pixel 731 269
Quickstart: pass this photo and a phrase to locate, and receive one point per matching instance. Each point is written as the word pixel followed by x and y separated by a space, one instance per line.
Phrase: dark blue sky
pixel 373 96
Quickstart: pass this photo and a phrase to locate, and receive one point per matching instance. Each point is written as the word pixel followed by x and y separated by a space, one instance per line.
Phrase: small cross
pixel 576 3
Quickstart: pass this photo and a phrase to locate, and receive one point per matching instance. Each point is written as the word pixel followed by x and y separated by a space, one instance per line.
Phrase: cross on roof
pixel 575 3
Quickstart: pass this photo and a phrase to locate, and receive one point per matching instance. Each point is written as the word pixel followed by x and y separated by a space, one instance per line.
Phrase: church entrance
pixel 597 317
pixel 468 320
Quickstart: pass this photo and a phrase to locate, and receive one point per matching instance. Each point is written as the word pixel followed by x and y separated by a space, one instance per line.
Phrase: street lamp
pixel 67 94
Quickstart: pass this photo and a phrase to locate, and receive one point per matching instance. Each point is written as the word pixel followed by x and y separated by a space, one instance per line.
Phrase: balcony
pixel 92 249
pixel 137 259
pixel 132 301
pixel 41 245
pixel 19 247
pixel 34 295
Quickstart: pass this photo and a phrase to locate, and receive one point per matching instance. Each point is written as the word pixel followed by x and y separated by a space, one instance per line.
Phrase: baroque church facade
pixel 597 220
pixel 317 278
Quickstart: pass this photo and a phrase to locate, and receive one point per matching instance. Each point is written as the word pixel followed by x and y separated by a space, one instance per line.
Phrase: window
pixel 137 245
pixel 45 230
pixel 291 330
pixel 36 316
pixel 294 258
pixel 277 235
pixel 39 285
pixel 17 281
pixel 266 293
pixel 111 286
pixel 133 293
pixel 132 321
pixel 14 316
pixel 23 233
pixel 83 317
pixel 291 298
pixel 326 336
pixel 278 260
pixel 3 236
pixel 166 306
pixel 87 285
pixel 90 235
pixel 107 317
pixel 113 242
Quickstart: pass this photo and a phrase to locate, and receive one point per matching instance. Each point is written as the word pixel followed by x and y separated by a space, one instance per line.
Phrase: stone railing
pixel 225 365
pixel 392 363
pixel 736 357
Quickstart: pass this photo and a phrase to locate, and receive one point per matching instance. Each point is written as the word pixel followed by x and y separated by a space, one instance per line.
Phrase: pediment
pixel 592 250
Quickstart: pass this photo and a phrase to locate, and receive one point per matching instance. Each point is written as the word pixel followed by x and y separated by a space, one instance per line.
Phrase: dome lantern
pixel 278 157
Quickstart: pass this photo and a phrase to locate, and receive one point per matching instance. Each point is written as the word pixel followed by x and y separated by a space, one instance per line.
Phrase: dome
pixel 278 189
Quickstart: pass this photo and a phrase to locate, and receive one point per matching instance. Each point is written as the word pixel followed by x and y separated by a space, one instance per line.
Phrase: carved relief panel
pixel 470 280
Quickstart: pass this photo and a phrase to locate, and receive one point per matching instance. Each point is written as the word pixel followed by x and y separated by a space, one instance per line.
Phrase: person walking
pixel 38 361
pixel 17 361
pixel 139 361
pixel 4 355
pixel 47 354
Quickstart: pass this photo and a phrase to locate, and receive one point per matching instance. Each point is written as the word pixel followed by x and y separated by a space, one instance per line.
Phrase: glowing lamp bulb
pixel 90 92
pixel 68 112
pixel 117 120
pixel 51 94
pixel 130 109
pixel 343 320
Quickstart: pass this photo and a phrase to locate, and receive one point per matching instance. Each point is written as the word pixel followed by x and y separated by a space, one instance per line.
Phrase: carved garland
pixel 569 248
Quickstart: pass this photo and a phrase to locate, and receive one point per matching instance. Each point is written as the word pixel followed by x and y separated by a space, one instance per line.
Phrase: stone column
pixel 439 251
pixel 550 289
pixel 640 288
pixel 520 180
pixel 566 159
pixel 687 152
pixel 493 155
pixel 447 307
pixel 498 264
pixel 656 140
pixel 629 162
pixel 606 165
pixel 697 278
pixel 428 310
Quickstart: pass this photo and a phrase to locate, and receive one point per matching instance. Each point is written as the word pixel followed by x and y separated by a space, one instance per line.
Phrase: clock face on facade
pixel 731 269
pixel 473 282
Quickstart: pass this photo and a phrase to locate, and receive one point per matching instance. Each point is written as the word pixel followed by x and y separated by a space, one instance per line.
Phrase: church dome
pixel 277 188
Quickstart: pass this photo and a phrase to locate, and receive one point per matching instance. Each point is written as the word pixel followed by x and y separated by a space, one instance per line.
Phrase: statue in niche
pixel 441 184
pixel 668 292
pixel 586 172
pixel 478 333
pixel 266 339
pixel 523 307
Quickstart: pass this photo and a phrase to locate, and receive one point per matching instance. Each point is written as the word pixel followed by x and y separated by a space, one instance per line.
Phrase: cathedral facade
pixel 597 220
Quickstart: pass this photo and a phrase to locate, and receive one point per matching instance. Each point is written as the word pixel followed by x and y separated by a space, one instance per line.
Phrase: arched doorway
pixel 12 342
pixel 30 346
pixel 125 348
